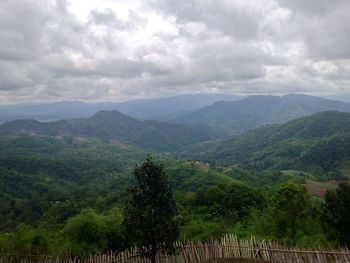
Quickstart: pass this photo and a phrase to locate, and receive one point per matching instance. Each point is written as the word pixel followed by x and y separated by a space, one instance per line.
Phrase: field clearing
pixel 319 189
pixel 346 171
pixel 297 173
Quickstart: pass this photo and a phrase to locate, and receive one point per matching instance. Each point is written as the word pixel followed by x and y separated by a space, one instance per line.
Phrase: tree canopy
pixel 150 213
pixel 337 211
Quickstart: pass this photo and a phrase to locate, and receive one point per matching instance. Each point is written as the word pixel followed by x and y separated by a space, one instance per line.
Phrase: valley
pixel 54 172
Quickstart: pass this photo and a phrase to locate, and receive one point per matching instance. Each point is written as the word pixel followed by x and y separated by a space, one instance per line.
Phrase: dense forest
pixel 64 184
pixel 162 131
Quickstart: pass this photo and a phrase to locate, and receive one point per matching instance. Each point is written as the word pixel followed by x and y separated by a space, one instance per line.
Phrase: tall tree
pixel 293 200
pixel 337 213
pixel 150 213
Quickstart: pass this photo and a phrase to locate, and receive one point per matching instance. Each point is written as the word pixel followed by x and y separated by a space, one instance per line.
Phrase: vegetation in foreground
pixel 64 194
pixel 286 212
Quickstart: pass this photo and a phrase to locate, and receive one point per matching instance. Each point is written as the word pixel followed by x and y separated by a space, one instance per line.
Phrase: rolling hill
pixel 236 117
pixel 116 128
pixel 50 178
pixel 319 144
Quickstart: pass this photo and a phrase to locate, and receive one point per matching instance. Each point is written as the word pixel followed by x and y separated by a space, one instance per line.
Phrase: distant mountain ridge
pixel 113 125
pixel 140 109
pixel 319 143
pixel 236 117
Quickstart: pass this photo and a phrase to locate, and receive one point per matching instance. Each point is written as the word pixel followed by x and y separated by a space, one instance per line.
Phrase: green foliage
pixel 28 240
pixel 150 213
pixel 6 244
pixel 292 200
pixel 190 176
pixel 115 127
pixel 45 179
pixel 318 144
pixel 201 229
pixel 213 211
pixel 290 215
pixel 236 117
pixel 232 202
pixel 329 154
pixel 66 189
pixel 336 213
pixel 86 232
pixel 91 232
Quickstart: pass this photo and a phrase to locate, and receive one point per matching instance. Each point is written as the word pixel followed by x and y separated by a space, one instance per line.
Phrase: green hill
pixel 115 127
pixel 236 117
pixel 44 178
pixel 319 143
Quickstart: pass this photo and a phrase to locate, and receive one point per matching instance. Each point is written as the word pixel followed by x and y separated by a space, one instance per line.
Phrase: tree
pixel 90 232
pixel 30 240
pixel 86 232
pixel 293 200
pixel 336 213
pixel 150 213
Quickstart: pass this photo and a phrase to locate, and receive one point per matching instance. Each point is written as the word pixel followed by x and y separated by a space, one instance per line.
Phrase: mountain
pixel 163 108
pixel 115 127
pixel 319 144
pixel 236 117
pixel 141 109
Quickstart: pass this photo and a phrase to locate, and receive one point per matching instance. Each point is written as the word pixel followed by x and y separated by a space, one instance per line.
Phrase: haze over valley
pixel 130 128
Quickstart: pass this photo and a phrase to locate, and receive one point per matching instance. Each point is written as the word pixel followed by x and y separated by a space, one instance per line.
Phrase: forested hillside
pixel 236 117
pixel 59 180
pixel 45 178
pixel 318 144
pixel 115 127
pixel 130 130
pixel 64 193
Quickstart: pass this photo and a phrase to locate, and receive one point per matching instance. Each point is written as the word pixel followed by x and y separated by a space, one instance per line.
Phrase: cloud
pixel 239 19
pixel 118 50
pixel 312 7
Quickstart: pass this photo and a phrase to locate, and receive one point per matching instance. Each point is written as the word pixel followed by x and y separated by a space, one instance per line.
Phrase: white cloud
pixel 117 50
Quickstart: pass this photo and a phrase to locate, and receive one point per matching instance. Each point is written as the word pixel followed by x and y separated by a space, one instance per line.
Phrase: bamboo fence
pixel 192 252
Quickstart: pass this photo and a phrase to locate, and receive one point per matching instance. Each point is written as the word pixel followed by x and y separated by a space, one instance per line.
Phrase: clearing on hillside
pixel 319 189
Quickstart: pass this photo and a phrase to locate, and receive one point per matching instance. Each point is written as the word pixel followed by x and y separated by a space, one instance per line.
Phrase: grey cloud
pixel 13 77
pixel 322 25
pixel 107 67
pixel 313 7
pixel 228 17
pixel 245 47
pixel 108 17
pixel 21 29
pixel 330 37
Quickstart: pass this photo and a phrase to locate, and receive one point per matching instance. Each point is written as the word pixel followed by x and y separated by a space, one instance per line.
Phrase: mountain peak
pixel 112 115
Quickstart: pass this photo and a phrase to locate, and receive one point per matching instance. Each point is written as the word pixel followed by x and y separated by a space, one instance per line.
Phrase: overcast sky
pixel 115 50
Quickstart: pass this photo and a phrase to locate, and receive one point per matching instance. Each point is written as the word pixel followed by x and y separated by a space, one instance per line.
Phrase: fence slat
pixel 227 247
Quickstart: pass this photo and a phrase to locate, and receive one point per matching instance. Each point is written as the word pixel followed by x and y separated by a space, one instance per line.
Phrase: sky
pixel 117 50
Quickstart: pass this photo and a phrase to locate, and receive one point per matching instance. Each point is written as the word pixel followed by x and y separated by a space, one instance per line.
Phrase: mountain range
pixel 224 113
pixel 115 127
pixel 159 109
pixel 236 117
pixel 179 128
